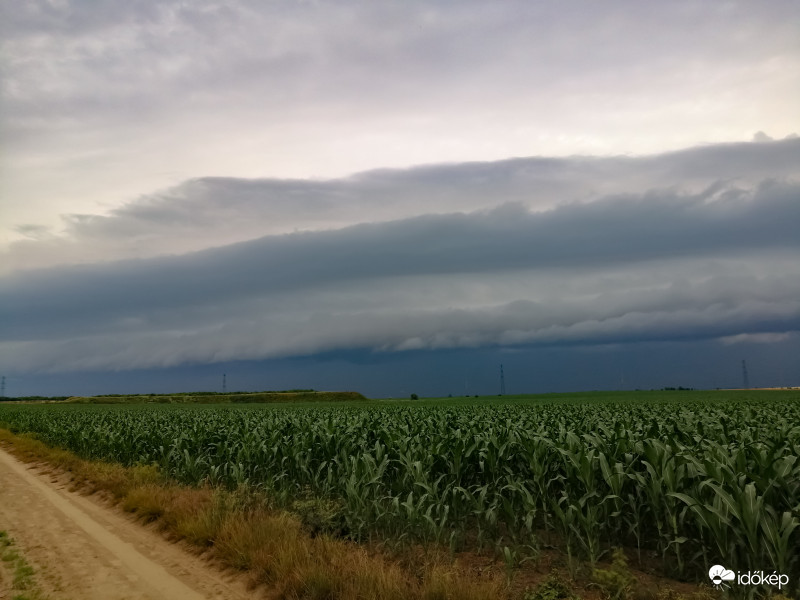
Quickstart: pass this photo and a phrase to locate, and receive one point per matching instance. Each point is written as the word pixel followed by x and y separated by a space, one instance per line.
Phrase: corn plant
pixel 699 480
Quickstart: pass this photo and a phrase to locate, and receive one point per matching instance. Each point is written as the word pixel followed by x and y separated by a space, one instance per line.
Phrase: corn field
pixel 692 482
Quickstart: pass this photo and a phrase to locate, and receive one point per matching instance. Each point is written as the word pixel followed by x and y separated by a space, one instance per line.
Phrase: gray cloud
pixel 721 221
pixel 103 101
pixel 225 333
pixel 659 265
pixel 249 119
pixel 216 211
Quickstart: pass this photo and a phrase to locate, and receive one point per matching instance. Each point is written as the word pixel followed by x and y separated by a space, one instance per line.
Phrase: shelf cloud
pixel 216 211
pixel 704 261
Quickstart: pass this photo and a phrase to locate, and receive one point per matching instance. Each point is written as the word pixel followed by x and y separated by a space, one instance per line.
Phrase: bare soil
pixel 82 549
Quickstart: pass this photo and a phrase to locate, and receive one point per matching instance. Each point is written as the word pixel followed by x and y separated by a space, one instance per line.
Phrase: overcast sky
pixel 394 197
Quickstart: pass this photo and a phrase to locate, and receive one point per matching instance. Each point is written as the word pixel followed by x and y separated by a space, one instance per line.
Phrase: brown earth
pixel 81 549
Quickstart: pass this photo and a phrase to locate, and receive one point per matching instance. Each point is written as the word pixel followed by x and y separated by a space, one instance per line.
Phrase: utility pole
pixel 3 387
pixel 745 380
pixel 224 386
pixel 502 382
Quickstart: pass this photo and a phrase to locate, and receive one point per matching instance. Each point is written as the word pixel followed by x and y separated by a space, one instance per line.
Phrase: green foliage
pixel 552 588
pixel 617 582
pixel 688 477
pixel 321 516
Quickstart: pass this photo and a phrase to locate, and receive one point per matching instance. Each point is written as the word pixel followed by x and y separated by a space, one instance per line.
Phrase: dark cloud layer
pixel 531 369
pixel 722 221
pixel 661 265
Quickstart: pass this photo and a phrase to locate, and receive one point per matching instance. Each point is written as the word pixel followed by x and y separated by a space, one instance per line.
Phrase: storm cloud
pixel 210 183
pixel 659 265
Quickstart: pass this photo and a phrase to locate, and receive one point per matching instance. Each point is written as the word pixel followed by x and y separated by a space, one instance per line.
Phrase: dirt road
pixel 84 550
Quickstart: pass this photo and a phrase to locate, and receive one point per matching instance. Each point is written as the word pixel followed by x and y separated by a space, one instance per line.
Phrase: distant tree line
pixel 33 398
pixel 194 394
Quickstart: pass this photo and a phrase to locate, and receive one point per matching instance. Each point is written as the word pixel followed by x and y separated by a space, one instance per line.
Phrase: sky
pixel 398 198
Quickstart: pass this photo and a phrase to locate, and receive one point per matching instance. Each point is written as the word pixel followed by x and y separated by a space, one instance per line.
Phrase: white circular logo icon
pixel 718 574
